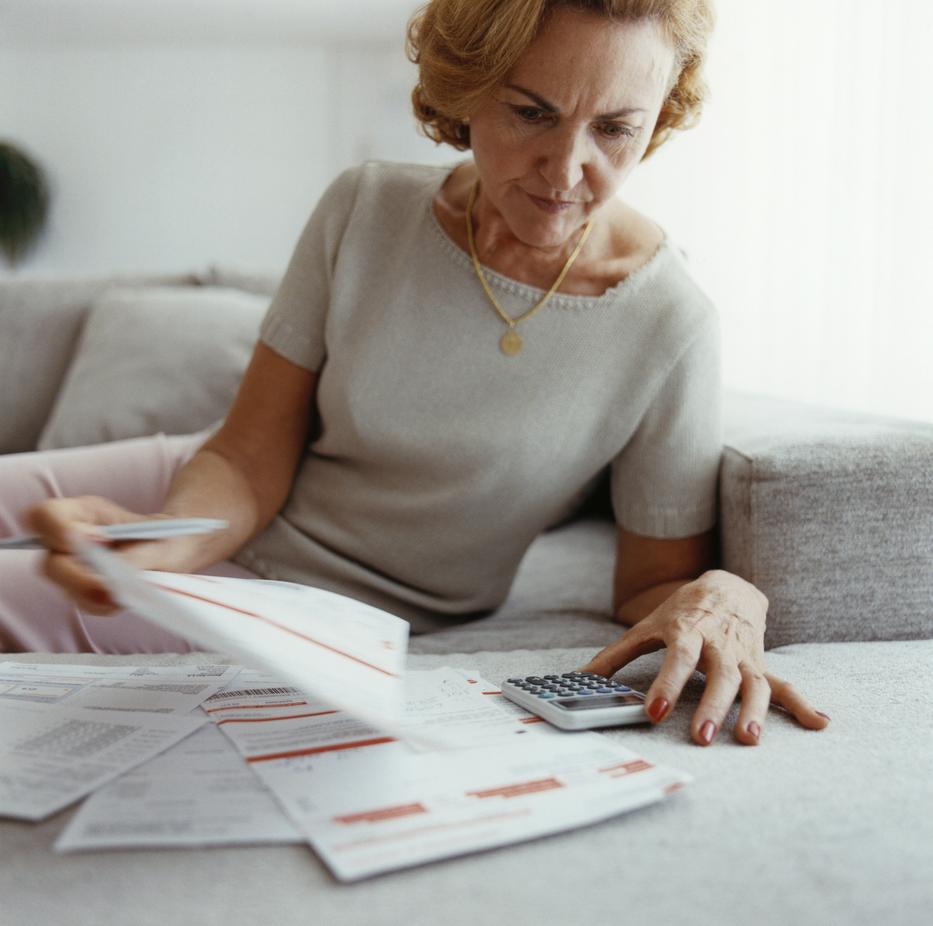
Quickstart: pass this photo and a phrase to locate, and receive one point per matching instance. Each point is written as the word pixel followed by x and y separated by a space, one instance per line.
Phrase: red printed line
pixel 253 707
pixel 313 751
pixel 385 813
pixel 492 692
pixel 525 787
pixel 531 720
pixel 220 723
pixel 627 768
pixel 272 623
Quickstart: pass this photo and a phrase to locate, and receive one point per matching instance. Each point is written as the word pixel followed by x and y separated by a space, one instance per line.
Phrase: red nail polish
pixel 658 708
pixel 707 732
pixel 755 730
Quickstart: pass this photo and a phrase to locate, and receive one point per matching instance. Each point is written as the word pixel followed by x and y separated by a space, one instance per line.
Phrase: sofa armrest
pixel 830 513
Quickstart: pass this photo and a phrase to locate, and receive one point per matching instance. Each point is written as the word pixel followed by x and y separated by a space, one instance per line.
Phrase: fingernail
pixel 707 732
pixel 754 730
pixel 824 715
pixel 658 708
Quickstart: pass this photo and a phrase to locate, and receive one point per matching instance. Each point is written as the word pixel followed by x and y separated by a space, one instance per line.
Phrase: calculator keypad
pixel 568 685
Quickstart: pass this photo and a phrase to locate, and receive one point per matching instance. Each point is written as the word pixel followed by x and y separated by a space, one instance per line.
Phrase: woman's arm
pixel 243 475
pixel 713 621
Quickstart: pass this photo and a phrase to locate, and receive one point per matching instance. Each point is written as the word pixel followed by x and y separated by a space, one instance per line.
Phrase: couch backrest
pixel 40 323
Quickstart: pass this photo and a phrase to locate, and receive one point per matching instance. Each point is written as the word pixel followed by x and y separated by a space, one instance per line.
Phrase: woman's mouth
pixel 552 206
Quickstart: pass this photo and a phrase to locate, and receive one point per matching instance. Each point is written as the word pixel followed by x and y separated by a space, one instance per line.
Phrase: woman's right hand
pixel 58 520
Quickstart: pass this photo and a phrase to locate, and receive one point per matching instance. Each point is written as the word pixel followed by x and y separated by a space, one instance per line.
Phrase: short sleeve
pixel 665 479
pixel 294 323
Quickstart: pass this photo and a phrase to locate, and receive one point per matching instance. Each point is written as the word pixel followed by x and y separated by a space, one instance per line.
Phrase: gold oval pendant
pixel 510 343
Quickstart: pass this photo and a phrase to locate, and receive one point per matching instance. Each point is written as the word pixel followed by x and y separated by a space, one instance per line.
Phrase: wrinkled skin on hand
pixel 715 624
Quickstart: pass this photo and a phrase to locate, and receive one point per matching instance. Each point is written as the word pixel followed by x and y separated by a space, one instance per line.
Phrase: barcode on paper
pixel 252 692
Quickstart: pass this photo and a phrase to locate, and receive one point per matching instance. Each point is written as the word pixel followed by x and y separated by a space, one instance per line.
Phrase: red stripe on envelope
pixel 314 750
pixel 627 768
pixel 267 620
pixel 220 723
pixel 517 790
pixel 384 813
pixel 252 707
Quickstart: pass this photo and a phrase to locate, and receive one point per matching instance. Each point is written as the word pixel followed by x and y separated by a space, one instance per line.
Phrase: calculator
pixel 577 700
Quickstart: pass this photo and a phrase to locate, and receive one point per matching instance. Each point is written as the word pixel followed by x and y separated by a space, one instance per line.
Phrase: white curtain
pixel 805 199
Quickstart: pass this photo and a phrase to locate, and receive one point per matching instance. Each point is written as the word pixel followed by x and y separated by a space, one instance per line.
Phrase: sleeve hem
pixel 668 523
pixel 301 350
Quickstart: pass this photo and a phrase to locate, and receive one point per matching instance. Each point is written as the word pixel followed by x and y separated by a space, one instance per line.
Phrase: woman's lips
pixel 551 206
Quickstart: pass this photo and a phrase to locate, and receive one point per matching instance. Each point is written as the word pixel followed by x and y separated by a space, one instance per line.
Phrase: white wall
pixel 803 198
pixel 168 156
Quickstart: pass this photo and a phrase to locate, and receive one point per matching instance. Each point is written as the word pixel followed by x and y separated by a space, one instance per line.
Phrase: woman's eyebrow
pixel 551 108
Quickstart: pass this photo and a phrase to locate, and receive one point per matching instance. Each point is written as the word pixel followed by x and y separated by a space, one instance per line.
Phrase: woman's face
pixel 555 142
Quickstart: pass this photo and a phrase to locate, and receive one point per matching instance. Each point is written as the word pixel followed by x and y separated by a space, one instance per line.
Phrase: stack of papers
pixel 325 739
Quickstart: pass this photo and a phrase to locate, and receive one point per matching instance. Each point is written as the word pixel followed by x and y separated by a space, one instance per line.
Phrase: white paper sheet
pixel 349 654
pixel 370 813
pixel 155 689
pixel 369 803
pixel 52 756
pixel 198 793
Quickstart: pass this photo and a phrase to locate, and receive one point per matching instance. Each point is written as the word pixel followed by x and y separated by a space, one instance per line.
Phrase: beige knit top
pixel 436 459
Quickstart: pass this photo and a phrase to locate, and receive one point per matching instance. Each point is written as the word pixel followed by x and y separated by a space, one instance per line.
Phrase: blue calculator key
pixel 564 692
pixel 622 688
pixel 603 691
pixel 586 691
pixel 545 695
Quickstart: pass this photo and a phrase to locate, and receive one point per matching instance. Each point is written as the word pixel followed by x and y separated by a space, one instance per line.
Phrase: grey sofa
pixel 829 512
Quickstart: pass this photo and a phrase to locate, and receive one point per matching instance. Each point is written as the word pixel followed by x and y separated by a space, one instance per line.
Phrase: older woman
pixel 466 349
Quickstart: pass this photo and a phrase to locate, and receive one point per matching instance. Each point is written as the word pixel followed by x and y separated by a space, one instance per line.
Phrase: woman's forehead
pixel 583 54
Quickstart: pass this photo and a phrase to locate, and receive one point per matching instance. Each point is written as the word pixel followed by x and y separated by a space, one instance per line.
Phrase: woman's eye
pixel 529 113
pixel 615 130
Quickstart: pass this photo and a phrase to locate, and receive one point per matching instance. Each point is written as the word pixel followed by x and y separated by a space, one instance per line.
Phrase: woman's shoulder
pixel 392 178
pixel 641 247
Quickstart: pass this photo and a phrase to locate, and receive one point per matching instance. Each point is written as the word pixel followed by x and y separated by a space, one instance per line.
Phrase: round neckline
pixel 508 284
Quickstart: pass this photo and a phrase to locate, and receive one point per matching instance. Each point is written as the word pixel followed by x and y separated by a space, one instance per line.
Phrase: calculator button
pixel 586 691
pixel 515 681
pixel 551 678
pixel 546 695
pixel 534 679
pixel 621 688
pixel 603 691
pixel 570 675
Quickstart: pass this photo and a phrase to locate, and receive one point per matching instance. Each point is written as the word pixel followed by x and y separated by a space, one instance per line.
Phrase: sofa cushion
pixel 40 322
pixel 561 596
pixel 830 513
pixel 259 282
pixel 155 359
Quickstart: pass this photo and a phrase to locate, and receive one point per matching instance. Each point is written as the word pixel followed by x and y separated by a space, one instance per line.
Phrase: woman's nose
pixel 562 162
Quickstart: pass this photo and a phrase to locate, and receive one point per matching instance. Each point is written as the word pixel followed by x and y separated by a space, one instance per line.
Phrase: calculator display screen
pixel 587 704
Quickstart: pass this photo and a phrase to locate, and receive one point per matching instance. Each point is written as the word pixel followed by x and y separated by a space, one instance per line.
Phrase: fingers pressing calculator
pixel 577 700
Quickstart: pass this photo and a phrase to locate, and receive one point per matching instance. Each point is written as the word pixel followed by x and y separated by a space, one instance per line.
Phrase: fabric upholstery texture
pixel 812 829
pixel 40 323
pixel 154 359
pixel 830 514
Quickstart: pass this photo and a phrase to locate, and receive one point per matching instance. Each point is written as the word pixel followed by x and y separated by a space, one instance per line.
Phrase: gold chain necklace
pixel 511 342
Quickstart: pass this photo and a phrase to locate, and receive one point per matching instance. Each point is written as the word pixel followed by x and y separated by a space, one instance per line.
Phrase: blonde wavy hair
pixel 465 48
